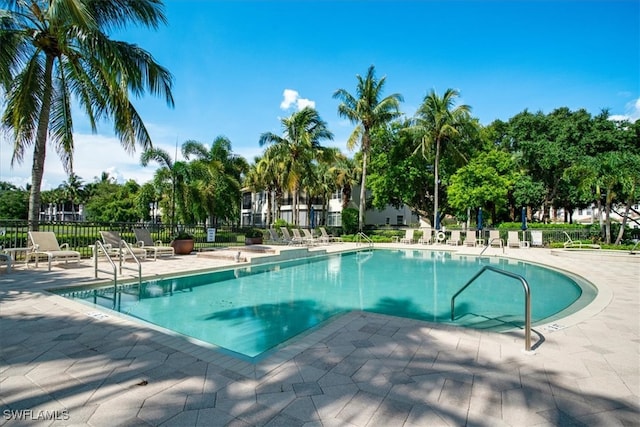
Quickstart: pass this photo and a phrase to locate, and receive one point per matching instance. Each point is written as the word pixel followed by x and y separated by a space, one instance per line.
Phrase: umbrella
pixel 524 219
pixel 437 221
pixel 312 220
pixel 480 219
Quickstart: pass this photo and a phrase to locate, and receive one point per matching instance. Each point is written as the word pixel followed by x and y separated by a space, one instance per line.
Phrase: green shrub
pixel 350 220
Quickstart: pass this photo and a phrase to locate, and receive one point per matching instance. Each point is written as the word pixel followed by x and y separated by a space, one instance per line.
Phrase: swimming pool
pixel 251 310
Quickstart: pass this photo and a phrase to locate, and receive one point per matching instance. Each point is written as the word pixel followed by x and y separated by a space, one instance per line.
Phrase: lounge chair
pixel 454 239
pixel 308 237
pixel 536 238
pixel 427 236
pixel 513 240
pixel 408 236
pixel 471 238
pixel 6 259
pixel 45 243
pixel 117 247
pixel 297 238
pixel 326 237
pixel 494 238
pixel 145 241
pixel 273 237
pixel 578 244
pixel 286 236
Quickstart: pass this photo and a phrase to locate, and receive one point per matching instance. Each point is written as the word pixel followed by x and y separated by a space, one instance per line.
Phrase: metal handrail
pixel 127 247
pixel 527 300
pixel 489 244
pixel 366 238
pixel 98 245
pixel 634 247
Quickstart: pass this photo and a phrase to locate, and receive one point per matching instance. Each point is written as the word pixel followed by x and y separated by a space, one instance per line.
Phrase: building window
pixel 400 220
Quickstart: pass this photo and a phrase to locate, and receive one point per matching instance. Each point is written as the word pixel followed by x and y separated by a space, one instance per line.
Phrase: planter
pixel 182 247
pixel 253 240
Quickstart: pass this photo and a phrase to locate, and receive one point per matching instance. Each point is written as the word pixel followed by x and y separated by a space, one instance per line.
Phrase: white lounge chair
pixel 273 237
pixel 286 236
pixel 326 237
pixel 45 243
pixel 454 239
pixel 471 238
pixel 578 244
pixel 145 241
pixel 297 238
pixel 513 240
pixel 408 236
pixel 536 238
pixel 115 244
pixel 427 236
pixel 494 238
pixel 308 237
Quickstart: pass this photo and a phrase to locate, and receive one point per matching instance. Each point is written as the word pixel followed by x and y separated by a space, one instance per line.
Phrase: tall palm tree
pixel 73 189
pixel 368 111
pixel 299 145
pixel 219 172
pixel 170 170
pixel 56 51
pixel 440 123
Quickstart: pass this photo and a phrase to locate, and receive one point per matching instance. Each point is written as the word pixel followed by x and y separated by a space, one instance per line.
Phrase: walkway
pixel 64 363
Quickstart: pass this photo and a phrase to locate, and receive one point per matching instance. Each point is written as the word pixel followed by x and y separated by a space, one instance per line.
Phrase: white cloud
pixel 631 113
pixel 291 98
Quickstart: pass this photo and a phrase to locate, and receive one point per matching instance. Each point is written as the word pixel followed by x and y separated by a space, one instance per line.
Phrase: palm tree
pixel 56 51
pixel 219 172
pixel 299 145
pixel 439 123
pixel 175 172
pixel 73 189
pixel 368 111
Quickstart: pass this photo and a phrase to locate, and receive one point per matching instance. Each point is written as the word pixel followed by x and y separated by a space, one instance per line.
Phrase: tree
pixel 440 124
pixel 73 191
pixel 368 111
pixel 218 172
pixel 14 202
pixel 56 51
pixel 174 172
pixel 297 148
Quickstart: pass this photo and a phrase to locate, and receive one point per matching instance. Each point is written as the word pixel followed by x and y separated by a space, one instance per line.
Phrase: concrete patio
pixel 64 363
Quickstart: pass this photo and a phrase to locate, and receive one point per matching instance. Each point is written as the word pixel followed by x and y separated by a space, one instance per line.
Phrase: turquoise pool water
pixel 251 310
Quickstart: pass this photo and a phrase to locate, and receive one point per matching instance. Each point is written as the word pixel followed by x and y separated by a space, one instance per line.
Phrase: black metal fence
pixel 81 235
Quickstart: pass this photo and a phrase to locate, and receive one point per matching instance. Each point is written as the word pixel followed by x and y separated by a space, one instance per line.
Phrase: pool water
pixel 250 310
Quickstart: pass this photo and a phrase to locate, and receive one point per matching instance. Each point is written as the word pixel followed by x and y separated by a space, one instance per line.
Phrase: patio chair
pixel 308 237
pixel 408 236
pixel 145 241
pixel 45 243
pixel 6 259
pixel 427 236
pixel 297 238
pixel 274 238
pixel 471 238
pixel 536 238
pixel 326 237
pixel 289 239
pixel 494 238
pixel 513 240
pixel 578 244
pixel 115 245
pixel 454 239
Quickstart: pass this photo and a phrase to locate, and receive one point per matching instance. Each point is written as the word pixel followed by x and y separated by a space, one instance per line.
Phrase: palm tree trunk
pixel 363 191
pixel 624 221
pixel 436 180
pixel 40 148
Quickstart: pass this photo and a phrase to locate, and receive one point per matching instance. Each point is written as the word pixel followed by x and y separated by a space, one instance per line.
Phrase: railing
pixel 527 300
pixel 361 236
pixel 490 242
pixel 98 246
pixel 634 247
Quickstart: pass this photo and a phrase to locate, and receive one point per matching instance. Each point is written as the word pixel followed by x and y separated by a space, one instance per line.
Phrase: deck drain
pixel 98 315
pixel 553 327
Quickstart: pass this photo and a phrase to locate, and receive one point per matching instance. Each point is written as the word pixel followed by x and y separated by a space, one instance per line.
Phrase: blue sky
pixel 233 62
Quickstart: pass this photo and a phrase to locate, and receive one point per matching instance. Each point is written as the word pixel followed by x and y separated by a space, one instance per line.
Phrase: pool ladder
pixel 122 250
pixel 527 300
pixel 361 236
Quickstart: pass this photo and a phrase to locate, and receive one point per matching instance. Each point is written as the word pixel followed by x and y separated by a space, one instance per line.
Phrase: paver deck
pixel 63 363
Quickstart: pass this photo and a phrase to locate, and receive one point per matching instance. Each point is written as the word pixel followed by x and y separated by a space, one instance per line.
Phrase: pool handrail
pixel 527 300
pixel 366 238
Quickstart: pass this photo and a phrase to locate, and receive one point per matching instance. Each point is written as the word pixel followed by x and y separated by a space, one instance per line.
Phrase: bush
pixel 350 220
